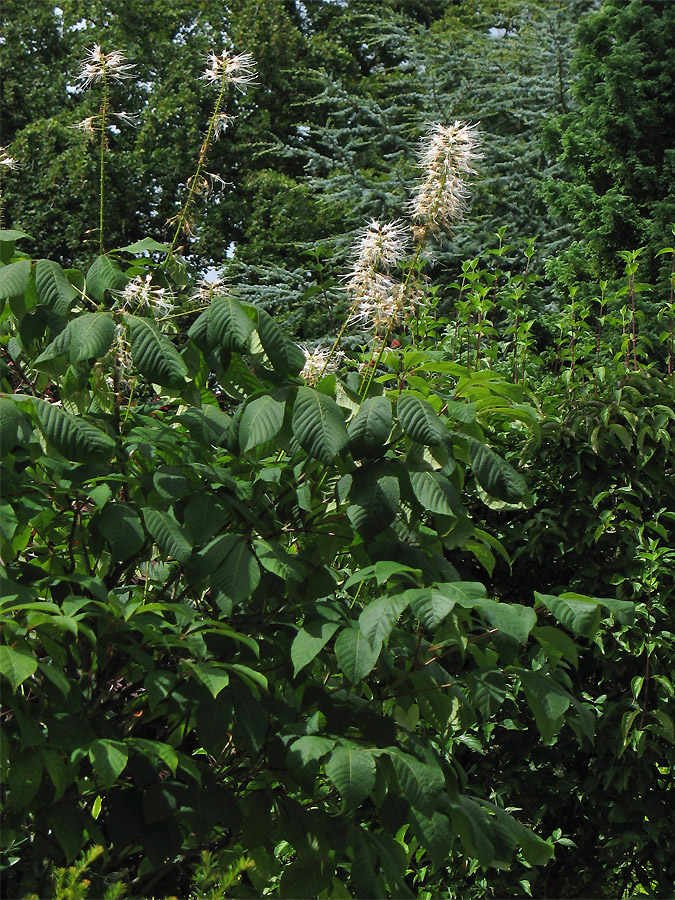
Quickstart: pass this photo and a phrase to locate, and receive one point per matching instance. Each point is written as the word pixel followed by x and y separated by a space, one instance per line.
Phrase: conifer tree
pixel 616 145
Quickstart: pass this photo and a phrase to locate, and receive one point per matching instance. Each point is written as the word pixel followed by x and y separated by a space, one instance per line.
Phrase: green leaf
pixel 435 493
pixel 419 420
pixel 318 425
pixel 273 557
pixel 310 641
pixel 510 618
pixel 14 425
pixel 203 517
pixel 285 355
pixel 14 279
pixel 109 759
pixel 547 700
pixel 379 617
pixel 53 287
pixel 309 748
pixel 487 690
pixel 170 483
pixel 430 605
pixel 212 676
pixel 92 335
pixel 370 428
pixel 466 593
pixel 146 243
pixel 422 784
pixel 16 665
pixel 261 421
pixel 158 686
pixel 435 834
pixel 11 234
pixel 228 324
pixel 352 772
pixel 303 877
pixel 374 496
pixel 581 615
pixel 355 656
pixel 154 355
pixel 170 537
pixel 494 474
pixel 73 437
pixel 239 573
pixel 122 528
pixel 556 644
pixel 25 779
pixel 103 275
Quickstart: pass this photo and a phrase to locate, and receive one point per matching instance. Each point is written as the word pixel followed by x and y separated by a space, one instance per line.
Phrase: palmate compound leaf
pixel 53 287
pixel 494 474
pixel 73 437
pixel 370 428
pixel 419 420
pixel 351 769
pixel 318 425
pixel 154 355
pixel 355 656
pixel 374 498
pixel 261 421
pixel 228 324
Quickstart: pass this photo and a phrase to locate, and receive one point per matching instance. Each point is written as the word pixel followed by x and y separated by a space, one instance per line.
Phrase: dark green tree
pixel 616 145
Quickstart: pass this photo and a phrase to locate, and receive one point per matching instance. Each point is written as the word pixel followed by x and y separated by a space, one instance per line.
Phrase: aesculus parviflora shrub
pixel 231 618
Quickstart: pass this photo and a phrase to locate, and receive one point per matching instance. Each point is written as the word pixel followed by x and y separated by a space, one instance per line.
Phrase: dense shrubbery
pixel 385 622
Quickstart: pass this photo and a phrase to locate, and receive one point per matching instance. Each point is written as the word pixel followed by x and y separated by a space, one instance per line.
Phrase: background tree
pixel 615 145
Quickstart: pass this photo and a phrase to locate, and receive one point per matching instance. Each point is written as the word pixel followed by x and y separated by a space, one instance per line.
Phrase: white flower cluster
pixel 236 69
pixel 141 295
pixel 7 161
pixel 380 299
pixel 319 362
pixel 99 66
pixel 446 156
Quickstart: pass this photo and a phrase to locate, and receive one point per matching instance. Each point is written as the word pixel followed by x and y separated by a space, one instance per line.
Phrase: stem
pixel 632 308
pixel 194 181
pixel 103 114
pixel 373 366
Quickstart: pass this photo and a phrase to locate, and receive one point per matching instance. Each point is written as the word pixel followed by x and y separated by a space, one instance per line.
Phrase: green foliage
pixel 219 600
pixel 616 146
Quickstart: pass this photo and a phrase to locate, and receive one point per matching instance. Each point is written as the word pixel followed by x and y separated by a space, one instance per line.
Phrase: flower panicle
pixel 141 295
pixel 6 161
pixel 319 362
pixel 237 69
pixel 98 65
pixel 447 157
pixel 380 245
